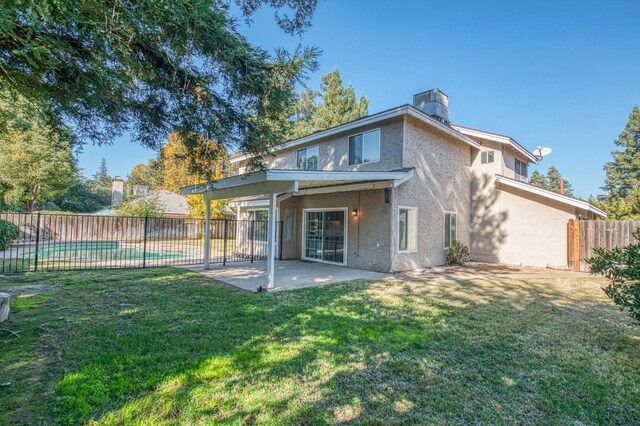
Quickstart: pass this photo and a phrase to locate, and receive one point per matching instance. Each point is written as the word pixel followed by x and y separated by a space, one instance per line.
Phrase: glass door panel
pixel 325 235
pixel 313 243
pixel 333 237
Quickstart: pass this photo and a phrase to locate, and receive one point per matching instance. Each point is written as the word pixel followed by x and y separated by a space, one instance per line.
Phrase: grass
pixel 166 346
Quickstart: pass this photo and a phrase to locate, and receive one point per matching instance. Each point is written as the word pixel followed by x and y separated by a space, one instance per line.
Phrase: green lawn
pixel 169 346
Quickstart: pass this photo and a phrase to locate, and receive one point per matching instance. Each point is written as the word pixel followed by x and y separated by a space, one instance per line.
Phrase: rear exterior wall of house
pixel 367 236
pixel 440 185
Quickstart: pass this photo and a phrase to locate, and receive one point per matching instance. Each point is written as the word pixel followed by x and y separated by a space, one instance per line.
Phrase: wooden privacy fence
pixel 585 235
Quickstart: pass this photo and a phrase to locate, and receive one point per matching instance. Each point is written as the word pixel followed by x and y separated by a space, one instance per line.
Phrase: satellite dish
pixel 541 151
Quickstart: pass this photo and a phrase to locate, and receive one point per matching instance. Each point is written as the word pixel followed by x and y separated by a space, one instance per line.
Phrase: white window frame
pixel 363 133
pixel 520 176
pixel 486 153
pixel 249 220
pixel 346 234
pixel 306 158
pixel 444 231
pixel 415 231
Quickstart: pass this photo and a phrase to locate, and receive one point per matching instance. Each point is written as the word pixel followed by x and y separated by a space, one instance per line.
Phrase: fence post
pixel 253 236
pixel 37 241
pixel 224 247
pixel 575 244
pixel 144 244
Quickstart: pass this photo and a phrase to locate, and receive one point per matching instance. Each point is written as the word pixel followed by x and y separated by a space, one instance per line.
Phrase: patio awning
pixel 297 182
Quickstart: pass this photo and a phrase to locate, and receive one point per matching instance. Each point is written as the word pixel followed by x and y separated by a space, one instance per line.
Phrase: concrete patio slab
pixel 289 275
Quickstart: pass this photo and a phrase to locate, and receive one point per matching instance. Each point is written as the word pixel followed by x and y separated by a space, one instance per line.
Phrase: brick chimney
pixel 562 186
pixel 117 191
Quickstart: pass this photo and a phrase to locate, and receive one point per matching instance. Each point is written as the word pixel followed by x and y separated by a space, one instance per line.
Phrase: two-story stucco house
pixel 390 191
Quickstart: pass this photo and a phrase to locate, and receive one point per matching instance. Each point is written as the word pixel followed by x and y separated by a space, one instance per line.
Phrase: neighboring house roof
pixel 372 119
pixel 171 203
pixel 507 140
pixel 297 181
pixel 109 211
pixel 562 198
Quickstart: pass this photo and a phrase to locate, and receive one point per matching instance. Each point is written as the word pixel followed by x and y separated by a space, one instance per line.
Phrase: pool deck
pixel 289 274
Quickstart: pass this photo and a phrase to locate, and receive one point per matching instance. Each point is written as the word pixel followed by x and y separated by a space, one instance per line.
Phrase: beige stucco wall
pixel 514 227
pixel 367 234
pixel 441 183
pixel 334 151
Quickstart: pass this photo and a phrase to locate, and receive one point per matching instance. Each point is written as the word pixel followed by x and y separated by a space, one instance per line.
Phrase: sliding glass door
pixel 325 232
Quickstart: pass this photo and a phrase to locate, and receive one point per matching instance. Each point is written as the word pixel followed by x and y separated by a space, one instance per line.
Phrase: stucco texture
pixel 367 234
pixel 441 184
pixel 515 227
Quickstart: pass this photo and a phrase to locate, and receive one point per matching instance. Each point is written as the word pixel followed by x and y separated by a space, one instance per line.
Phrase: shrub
pixel 457 254
pixel 621 266
pixel 8 233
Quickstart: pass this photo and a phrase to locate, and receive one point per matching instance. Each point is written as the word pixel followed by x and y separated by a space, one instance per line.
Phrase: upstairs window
pixel 308 158
pixel 450 228
pixel 521 170
pixel 364 147
pixel 487 157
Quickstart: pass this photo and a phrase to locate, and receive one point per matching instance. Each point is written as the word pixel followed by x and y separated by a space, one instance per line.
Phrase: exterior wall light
pixel 354 212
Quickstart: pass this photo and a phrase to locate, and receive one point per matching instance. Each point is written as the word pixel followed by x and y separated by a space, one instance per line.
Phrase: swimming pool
pixel 104 250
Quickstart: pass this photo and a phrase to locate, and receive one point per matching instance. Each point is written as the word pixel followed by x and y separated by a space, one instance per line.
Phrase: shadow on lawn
pixel 462 351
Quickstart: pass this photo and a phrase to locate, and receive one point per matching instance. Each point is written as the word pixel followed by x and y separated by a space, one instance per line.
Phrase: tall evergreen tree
pixel 538 179
pixel 107 66
pixel 337 105
pixel 553 179
pixel 623 173
pixel 102 177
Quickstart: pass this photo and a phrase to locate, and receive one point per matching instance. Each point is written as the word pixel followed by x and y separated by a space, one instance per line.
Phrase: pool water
pixel 104 250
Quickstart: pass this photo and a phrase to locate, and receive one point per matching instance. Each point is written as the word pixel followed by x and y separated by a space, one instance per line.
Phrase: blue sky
pixel 559 74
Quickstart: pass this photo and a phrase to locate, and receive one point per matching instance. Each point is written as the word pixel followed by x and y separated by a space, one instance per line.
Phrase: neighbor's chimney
pixel 435 103
pixel 117 190
pixel 562 186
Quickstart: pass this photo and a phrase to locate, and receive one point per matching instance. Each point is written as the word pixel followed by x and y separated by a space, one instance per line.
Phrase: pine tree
pixel 623 173
pixel 337 105
pixel 553 179
pixel 102 177
pixel 538 179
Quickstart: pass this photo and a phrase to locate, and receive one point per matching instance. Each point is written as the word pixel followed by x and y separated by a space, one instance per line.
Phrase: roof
pixel 504 139
pixel 297 181
pixel 372 119
pixel 562 198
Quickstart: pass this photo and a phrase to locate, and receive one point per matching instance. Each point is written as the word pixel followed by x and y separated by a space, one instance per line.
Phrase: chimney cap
pixel 118 178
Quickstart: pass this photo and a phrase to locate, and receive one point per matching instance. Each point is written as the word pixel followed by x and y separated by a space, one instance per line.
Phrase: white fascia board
pixel 496 138
pixel 253 203
pixel 426 118
pixel 239 180
pixel 320 175
pixel 585 205
pixel 275 180
pixel 365 121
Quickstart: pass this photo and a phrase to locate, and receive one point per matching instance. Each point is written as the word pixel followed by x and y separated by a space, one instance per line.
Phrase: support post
pixel 207 233
pixel 271 242
pixel 37 241
pixel 144 242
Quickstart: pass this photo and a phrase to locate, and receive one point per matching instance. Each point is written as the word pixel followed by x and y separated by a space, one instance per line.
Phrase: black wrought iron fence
pixel 50 242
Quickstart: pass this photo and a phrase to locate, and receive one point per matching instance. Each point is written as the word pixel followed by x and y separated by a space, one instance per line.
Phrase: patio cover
pixel 292 182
